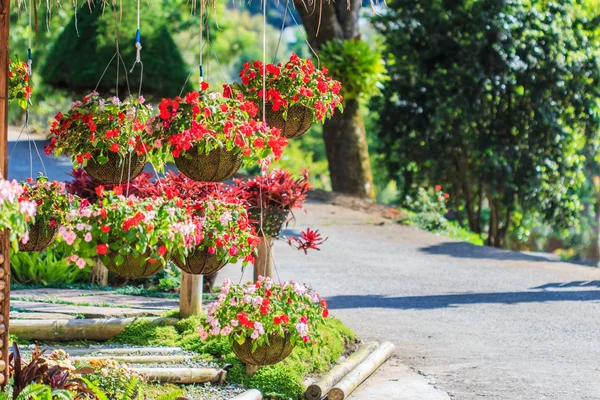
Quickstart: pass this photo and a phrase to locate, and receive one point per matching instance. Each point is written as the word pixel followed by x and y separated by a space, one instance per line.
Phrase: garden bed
pixel 281 381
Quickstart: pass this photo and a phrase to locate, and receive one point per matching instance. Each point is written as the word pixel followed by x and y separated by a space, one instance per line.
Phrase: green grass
pixel 451 229
pixel 280 381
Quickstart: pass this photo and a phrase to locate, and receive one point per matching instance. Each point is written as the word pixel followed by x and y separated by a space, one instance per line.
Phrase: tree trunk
pixel 347 151
pixel 344 134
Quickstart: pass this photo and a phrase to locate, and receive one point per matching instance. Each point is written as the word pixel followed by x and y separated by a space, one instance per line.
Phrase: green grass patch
pixel 280 381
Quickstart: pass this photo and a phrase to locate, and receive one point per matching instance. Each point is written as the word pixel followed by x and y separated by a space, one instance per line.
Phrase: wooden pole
pixel 4 242
pixel 99 274
pixel 190 295
pixel 358 375
pixel 264 265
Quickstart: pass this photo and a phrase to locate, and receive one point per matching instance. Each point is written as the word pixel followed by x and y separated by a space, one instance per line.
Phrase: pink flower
pixel 255 334
pixel 87 237
pixel 80 263
pixel 25 238
pixel 203 334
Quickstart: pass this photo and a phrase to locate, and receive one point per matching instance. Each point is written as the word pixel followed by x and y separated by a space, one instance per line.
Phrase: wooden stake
pixel 190 295
pixel 251 394
pixel 359 374
pixel 4 242
pixel 99 273
pixel 264 265
pixel 319 389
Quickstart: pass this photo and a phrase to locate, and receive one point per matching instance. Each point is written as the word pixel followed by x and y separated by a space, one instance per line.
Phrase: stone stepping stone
pixel 39 315
pixel 86 311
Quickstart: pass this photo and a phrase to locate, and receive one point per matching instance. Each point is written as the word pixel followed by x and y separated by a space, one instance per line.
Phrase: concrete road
pixel 474 322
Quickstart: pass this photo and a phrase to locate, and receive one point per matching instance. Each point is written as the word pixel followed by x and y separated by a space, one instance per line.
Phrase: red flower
pixel 105 228
pixel 285 319
pixel 446 195
pixel 212 250
pixel 277 320
pixel 325 313
pixel 438 188
pixel 101 249
pixel 100 192
pixel 114 148
pixel 162 250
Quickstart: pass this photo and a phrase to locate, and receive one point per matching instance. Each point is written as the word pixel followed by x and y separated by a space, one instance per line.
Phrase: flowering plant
pixel 295 82
pixel 153 228
pixel 209 121
pixel 428 208
pixel 275 190
pixel 19 87
pixel 95 127
pixel 51 199
pixel 15 210
pixel 225 231
pixel 257 310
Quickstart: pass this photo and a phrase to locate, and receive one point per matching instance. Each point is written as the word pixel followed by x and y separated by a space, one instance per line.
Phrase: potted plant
pixel 19 86
pixel 16 212
pixel 270 198
pixel 296 93
pixel 265 320
pixel 133 237
pixel 225 236
pixel 209 135
pixel 107 137
pixel 53 205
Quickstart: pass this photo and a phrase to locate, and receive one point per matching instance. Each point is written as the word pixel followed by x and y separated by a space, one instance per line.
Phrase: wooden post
pixel 99 274
pixel 190 295
pixel 264 261
pixel 4 242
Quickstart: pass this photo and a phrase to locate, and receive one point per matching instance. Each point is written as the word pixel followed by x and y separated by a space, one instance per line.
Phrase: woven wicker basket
pixel 200 262
pixel 216 166
pixel 41 235
pixel 299 120
pixel 117 170
pixel 273 220
pixel 134 267
pixel 267 354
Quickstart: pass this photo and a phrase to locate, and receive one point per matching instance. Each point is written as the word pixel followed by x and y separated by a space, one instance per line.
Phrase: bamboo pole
pixel 359 374
pixel 320 388
pixel 182 375
pixel 190 295
pixel 264 260
pixel 251 394
pixel 75 329
pixel 4 243
pixel 99 351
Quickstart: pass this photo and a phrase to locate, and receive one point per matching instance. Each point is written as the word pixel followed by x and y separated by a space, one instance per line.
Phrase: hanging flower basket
pixel 216 166
pixel 133 237
pixel 210 134
pixel 134 267
pixel 296 93
pixel 265 320
pixel 16 211
pixel 41 235
pixel 103 136
pixel 199 262
pixel 278 348
pixel 272 220
pixel 117 170
pixel 296 123
pixel 53 205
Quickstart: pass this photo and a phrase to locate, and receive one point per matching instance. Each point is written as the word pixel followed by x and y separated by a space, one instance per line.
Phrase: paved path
pixel 477 322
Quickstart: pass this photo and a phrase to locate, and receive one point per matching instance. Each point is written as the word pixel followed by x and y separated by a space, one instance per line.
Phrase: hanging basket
pixel 267 354
pixel 41 235
pixel 117 170
pixel 133 267
pixel 273 220
pixel 199 262
pixel 216 166
pixel 299 119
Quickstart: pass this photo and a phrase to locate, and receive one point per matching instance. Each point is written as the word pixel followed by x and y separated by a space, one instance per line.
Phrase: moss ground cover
pixel 280 381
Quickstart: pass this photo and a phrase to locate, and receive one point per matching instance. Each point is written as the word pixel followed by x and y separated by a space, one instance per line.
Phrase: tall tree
pixel 344 134
pixel 494 99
